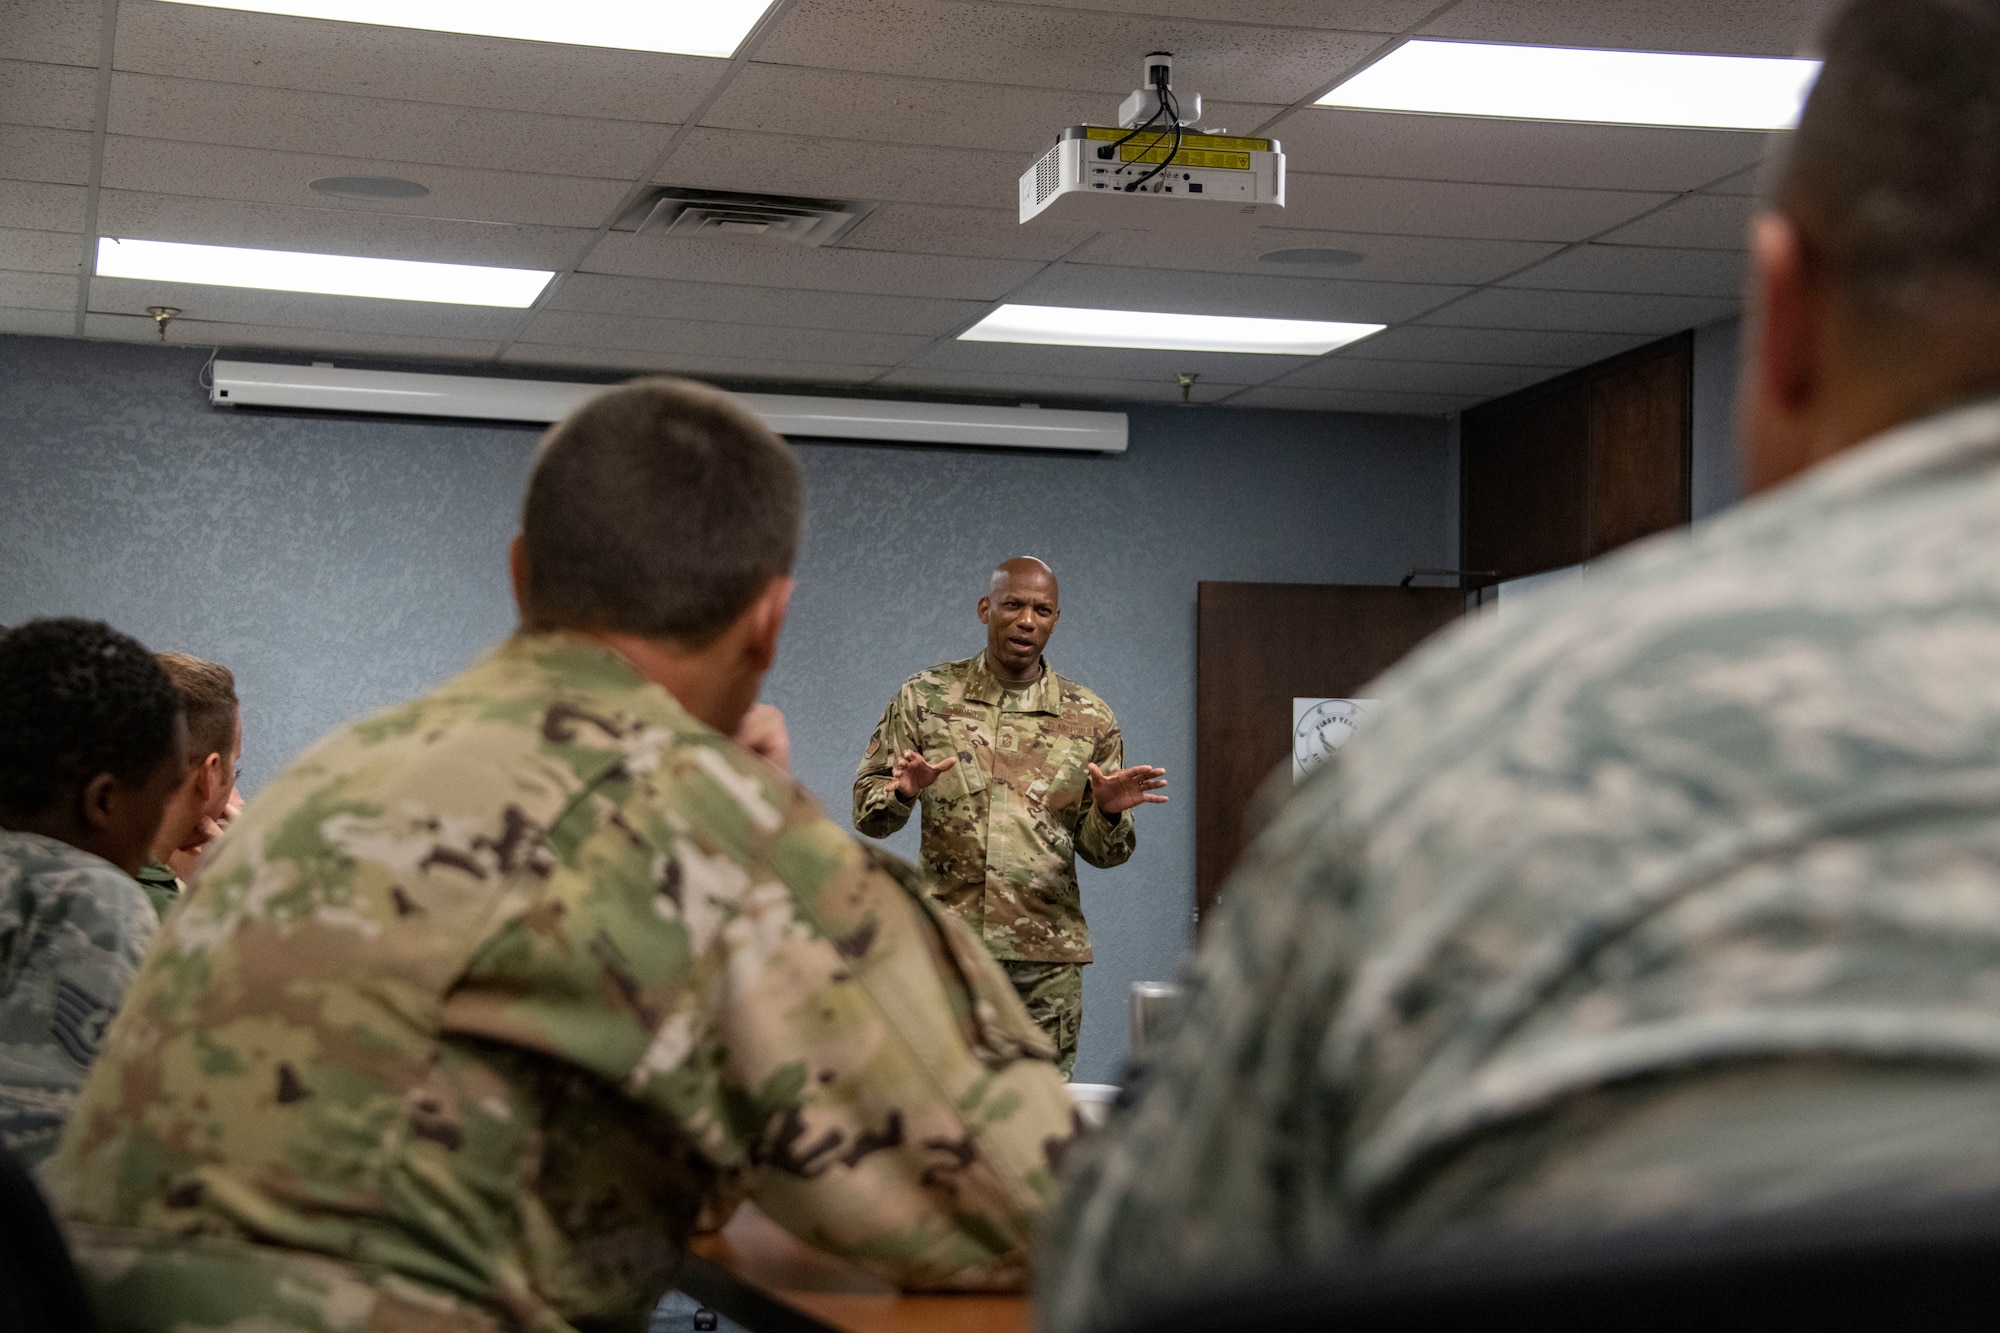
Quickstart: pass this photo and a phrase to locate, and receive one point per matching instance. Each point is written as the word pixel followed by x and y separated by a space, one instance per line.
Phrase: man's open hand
pixel 1119 791
pixel 762 732
pixel 914 773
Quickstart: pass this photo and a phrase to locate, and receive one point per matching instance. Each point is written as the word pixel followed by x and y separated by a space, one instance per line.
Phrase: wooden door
pixel 1257 647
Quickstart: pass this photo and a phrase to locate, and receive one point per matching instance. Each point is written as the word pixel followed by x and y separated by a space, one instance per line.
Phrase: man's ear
pixel 1782 377
pixel 985 610
pixel 211 775
pixel 767 622
pixel 98 801
pixel 517 571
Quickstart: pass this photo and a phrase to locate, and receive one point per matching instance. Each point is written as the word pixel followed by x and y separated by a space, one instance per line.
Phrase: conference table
pixel 755 1272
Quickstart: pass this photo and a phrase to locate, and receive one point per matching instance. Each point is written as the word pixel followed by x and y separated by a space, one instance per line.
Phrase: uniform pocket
pixel 967 777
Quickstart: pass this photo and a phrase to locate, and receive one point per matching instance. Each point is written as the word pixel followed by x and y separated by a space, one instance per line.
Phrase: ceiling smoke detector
pixel 764 217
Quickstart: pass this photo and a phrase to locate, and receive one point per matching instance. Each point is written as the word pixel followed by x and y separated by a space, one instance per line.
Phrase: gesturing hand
pixel 1119 791
pixel 913 773
pixel 762 732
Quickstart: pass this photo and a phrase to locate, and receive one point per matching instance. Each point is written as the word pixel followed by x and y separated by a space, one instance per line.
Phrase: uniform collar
pixel 1044 696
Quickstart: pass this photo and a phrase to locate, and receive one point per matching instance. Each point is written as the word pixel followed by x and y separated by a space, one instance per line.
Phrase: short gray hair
pixel 662 509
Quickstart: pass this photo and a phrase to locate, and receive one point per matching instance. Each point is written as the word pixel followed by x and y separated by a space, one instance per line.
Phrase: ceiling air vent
pixel 766 217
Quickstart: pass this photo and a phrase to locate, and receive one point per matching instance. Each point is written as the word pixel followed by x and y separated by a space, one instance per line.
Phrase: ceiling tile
pixel 1722 27
pixel 1700 221
pixel 1330 141
pixel 576 328
pixel 1444 208
pixel 1749 182
pixel 822 269
pixel 1380 16
pixel 346 314
pixel 845 104
pixel 1273 296
pixel 37 291
pixel 1383 258
pixel 40 251
pixel 32 153
pixel 1590 312
pixel 1355 400
pixel 1114 363
pixel 1045 388
pixel 1059 48
pixel 1347 372
pixel 190 332
pixel 1625 268
pixel 861 313
pixel 339 231
pixel 243 116
pixel 232 46
pixel 61 32
pixel 42 206
pixel 692 365
pixel 62 97
pixel 48 323
pixel 986 233
pixel 160 166
pixel 843 169
pixel 1550 352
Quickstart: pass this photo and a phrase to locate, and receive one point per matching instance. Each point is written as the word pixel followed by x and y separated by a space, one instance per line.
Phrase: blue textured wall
pixel 339 564
pixel 1718 472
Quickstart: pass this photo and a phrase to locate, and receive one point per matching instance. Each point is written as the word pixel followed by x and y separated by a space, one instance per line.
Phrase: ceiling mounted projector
pixel 1150 172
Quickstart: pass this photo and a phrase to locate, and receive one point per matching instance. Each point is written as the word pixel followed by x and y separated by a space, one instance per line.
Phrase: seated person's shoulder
pixel 49 873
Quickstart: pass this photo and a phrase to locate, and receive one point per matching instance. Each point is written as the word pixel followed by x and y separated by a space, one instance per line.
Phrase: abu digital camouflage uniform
pixel 1002 830
pixel 482 999
pixel 1671 896
pixel 73 929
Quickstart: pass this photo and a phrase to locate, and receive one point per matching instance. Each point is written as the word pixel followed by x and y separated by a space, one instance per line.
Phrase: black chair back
pixel 1934 1269
pixel 39 1289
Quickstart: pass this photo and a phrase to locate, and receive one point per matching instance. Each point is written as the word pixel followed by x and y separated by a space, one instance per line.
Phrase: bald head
pixel 1020 610
pixel 1022 566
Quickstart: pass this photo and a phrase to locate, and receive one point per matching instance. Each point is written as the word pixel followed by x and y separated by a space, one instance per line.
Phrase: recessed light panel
pixel 682 27
pixel 369 187
pixel 1067 326
pixel 1575 83
pixel 326 275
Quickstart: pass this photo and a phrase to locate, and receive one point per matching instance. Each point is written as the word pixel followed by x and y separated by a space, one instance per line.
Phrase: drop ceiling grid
pixel 1627 228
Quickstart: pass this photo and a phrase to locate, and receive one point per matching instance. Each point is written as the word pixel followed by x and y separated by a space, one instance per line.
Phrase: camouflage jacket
pixel 163 887
pixel 1676 893
pixel 1003 829
pixel 484 997
pixel 73 928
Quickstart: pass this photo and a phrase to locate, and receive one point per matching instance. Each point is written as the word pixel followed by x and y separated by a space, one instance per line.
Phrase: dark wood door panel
pixel 1526 472
pixel 1640 431
pixel 1257 647
pixel 1579 465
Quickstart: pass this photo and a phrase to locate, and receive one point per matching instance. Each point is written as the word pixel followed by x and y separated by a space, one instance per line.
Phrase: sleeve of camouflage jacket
pixel 68 952
pixel 790 1006
pixel 1103 841
pixel 878 810
pixel 1200 1175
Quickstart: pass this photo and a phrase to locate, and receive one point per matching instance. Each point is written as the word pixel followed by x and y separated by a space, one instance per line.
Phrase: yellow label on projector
pixel 1222 142
pixel 1186 157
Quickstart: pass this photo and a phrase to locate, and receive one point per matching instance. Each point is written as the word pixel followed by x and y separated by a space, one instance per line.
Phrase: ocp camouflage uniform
pixel 73 929
pixel 1673 896
pixel 484 997
pixel 1003 829
pixel 163 888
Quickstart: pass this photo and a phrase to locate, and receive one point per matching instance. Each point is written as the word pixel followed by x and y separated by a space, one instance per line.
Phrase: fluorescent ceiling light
pixel 682 27
pixel 329 275
pixel 1067 326
pixel 1572 83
